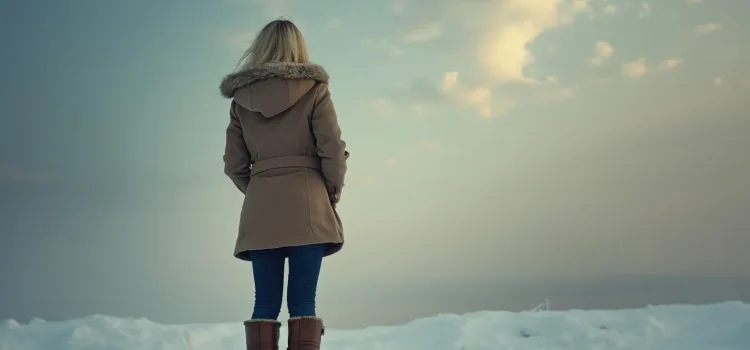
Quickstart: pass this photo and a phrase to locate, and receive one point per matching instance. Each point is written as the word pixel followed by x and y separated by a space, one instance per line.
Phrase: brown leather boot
pixel 305 333
pixel 262 334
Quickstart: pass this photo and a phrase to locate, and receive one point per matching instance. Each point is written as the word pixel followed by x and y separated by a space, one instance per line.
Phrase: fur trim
pixel 307 317
pixel 259 320
pixel 322 326
pixel 283 70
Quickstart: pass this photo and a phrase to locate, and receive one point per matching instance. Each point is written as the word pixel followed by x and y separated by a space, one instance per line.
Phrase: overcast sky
pixel 593 152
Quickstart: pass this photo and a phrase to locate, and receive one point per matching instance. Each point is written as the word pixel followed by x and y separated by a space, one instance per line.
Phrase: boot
pixel 305 333
pixel 262 334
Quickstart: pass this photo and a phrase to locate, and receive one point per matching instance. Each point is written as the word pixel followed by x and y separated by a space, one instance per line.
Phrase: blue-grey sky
pixel 591 151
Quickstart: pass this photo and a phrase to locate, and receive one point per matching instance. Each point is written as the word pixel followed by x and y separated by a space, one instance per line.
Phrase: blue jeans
pixel 268 273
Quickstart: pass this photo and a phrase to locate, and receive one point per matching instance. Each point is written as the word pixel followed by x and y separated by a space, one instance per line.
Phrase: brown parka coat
pixel 284 152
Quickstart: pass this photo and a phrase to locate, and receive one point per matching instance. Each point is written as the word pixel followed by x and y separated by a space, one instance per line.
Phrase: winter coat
pixel 284 152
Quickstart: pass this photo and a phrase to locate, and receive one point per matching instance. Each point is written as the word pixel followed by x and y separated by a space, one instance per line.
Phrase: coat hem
pixel 330 249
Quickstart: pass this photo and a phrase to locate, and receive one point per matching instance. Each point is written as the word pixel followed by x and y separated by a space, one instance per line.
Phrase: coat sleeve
pixel 237 159
pixel 331 148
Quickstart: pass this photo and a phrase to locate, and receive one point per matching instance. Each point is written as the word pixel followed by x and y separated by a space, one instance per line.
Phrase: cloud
pixel 645 10
pixel 707 28
pixel 579 7
pixel 694 1
pixel 477 97
pixel 505 50
pixel 602 51
pixel 610 9
pixel 513 43
pixel 634 69
pixel 11 173
pixel 501 31
pixel 424 32
pixel 717 82
pixel 669 64
pixel 382 44
pixel 486 100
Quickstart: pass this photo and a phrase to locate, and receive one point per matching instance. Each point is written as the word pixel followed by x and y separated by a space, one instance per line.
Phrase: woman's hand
pixel 333 198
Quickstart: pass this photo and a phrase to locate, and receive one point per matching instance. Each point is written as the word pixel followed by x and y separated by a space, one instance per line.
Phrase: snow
pixel 670 327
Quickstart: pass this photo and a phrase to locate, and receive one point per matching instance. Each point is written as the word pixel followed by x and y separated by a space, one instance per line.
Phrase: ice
pixel 669 327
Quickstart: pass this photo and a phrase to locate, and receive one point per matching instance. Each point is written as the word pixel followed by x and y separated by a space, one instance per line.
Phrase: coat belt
pixel 285 162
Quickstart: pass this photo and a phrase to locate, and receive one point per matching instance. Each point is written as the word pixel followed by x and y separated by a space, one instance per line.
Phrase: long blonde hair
pixel 278 41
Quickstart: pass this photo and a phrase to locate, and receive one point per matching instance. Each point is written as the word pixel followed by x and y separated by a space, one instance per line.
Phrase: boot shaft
pixel 305 333
pixel 262 334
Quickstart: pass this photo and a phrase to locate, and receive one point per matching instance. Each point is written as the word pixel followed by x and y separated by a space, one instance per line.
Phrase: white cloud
pixel 478 97
pixel 694 1
pixel 580 5
pixel 718 82
pixel 707 28
pixel 424 33
pixel 382 44
pixel 645 10
pixel 610 9
pixel 504 50
pixel 602 51
pixel 669 64
pixel 499 34
pixel 634 69
pixel 487 100
pixel 509 55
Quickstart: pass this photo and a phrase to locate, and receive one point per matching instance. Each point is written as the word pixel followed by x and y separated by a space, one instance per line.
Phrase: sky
pixel 502 152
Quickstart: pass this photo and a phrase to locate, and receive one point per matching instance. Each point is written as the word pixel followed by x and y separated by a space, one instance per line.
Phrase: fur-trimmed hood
pixel 287 71
pixel 272 88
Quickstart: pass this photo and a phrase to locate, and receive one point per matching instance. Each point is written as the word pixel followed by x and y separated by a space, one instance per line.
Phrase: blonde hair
pixel 278 41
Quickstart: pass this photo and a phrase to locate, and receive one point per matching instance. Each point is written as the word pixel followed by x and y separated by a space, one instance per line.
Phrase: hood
pixel 273 87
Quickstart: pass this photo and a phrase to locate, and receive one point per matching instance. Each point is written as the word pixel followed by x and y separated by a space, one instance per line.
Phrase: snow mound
pixel 723 326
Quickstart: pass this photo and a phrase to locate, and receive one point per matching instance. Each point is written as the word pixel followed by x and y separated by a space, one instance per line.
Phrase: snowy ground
pixel 679 327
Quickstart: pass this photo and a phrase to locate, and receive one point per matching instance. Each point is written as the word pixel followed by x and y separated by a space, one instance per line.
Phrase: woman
pixel 285 154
